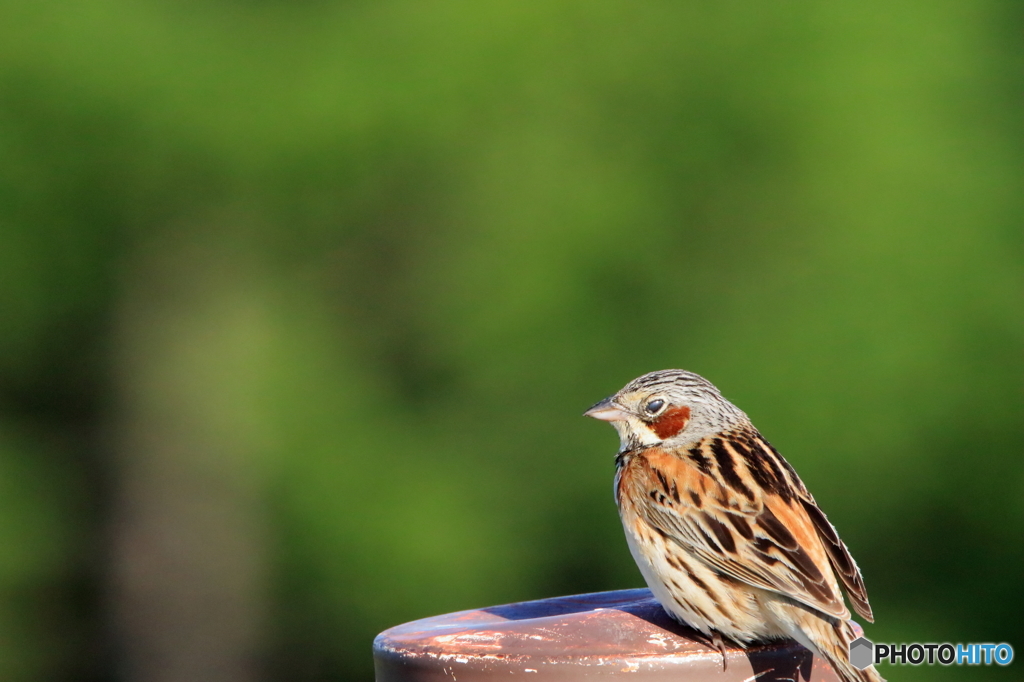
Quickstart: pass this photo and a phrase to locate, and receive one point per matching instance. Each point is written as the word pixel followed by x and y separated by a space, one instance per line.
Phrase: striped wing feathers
pixel 841 560
pixel 740 508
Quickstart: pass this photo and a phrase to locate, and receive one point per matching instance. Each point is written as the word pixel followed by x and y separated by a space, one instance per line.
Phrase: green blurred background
pixel 301 302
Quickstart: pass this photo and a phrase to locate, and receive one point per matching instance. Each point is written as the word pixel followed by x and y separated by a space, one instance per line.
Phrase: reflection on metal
pixel 606 634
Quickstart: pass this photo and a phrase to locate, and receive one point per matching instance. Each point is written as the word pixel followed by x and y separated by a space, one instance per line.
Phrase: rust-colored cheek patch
pixel 672 422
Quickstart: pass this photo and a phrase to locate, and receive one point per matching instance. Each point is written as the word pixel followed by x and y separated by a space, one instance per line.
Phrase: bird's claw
pixel 719 643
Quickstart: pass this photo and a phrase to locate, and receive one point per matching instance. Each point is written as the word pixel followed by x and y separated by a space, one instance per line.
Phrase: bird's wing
pixel 743 519
pixel 840 559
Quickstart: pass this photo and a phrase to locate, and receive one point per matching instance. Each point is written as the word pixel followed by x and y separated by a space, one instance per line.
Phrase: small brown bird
pixel 723 530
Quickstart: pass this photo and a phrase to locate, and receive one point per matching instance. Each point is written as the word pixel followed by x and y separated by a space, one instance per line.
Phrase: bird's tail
pixel 832 640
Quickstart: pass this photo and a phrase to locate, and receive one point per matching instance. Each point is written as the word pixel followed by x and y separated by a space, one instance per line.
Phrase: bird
pixel 725 533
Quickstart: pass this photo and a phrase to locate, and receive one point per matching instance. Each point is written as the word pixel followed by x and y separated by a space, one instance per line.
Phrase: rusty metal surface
pixel 606 634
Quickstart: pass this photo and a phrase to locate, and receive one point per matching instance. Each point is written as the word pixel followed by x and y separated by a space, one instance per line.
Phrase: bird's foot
pixel 719 643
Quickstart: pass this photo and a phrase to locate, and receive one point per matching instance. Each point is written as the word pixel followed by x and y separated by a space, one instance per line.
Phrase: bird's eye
pixel 653 406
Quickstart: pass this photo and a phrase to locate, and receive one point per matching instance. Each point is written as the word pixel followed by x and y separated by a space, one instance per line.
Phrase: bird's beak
pixel 607 411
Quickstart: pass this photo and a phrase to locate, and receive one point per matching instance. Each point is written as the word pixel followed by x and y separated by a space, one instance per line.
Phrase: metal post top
pixel 604 634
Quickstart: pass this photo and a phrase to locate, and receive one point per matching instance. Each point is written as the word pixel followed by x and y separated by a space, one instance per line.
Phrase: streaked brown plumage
pixel 724 532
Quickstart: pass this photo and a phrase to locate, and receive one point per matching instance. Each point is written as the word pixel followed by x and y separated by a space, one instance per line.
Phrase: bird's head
pixel 671 407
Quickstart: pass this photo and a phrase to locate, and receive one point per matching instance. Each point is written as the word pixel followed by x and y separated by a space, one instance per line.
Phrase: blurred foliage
pixel 406 244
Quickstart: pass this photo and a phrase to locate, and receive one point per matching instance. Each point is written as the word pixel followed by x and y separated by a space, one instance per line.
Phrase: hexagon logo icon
pixel 862 653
